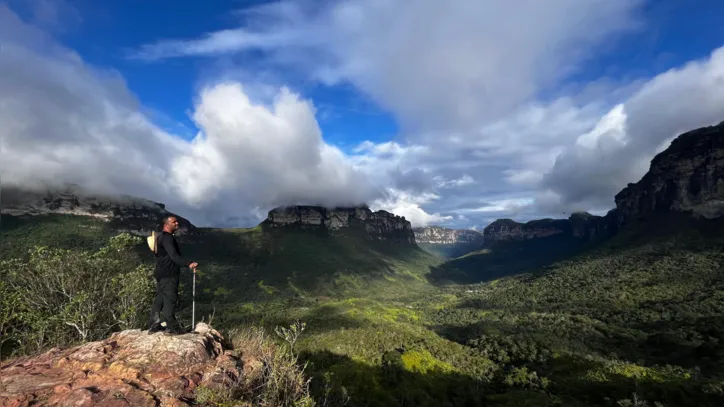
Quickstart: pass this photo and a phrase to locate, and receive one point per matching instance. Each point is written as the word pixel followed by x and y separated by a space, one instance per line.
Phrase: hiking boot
pixel 155 324
pixel 157 327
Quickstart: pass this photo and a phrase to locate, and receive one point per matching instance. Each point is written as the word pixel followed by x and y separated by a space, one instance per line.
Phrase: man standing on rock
pixel 168 270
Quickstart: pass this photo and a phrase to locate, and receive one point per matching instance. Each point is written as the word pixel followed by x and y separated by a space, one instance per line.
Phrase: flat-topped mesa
pixel 380 225
pixel 580 225
pixel 508 229
pixel 123 213
pixel 440 235
pixel 686 177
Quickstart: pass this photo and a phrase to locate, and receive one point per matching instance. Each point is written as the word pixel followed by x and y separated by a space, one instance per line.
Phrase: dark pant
pixel 166 295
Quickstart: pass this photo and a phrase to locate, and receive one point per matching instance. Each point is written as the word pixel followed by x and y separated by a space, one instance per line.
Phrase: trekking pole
pixel 193 304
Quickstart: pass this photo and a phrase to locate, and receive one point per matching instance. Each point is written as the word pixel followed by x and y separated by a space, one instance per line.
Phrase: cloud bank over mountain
pixel 490 127
pixel 66 122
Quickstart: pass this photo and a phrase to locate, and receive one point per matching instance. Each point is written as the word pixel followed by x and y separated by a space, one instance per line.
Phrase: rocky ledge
pixel 380 225
pixel 440 235
pixel 123 213
pixel 130 368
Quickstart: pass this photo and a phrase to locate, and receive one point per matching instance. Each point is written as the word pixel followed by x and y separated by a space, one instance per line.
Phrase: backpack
pixel 152 241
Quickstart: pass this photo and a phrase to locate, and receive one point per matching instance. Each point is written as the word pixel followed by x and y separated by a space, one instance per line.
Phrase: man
pixel 168 270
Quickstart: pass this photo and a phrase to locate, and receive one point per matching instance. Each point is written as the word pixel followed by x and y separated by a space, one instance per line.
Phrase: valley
pixel 618 310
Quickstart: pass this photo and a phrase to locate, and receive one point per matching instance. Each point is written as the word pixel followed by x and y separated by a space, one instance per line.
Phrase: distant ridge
pixel 122 212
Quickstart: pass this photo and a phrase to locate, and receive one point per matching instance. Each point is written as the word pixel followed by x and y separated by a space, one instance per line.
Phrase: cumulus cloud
pixel 66 122
pixel 619 148
pixel 270 155
pixel 407 205
pixel 434 66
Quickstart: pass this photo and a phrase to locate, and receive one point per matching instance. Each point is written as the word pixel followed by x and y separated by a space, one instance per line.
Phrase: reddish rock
pixel 131 368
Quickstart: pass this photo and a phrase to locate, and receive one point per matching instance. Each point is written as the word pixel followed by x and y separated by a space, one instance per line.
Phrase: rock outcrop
pixel 686 177
pixel 129 368
pixel 123 213
pixel 440 235
pixel 361 221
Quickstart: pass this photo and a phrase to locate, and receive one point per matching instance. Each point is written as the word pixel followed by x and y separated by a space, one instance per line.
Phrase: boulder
pixel 130 367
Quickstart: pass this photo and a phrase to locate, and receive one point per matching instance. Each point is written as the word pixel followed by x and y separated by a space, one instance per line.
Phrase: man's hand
pixel 193 266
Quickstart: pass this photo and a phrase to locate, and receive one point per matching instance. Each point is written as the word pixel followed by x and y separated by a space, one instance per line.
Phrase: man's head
pixel 170 224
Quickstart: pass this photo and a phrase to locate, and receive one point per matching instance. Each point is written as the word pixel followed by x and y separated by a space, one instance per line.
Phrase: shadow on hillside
pixel 307 261
pixel 387 385
pixel 696 342
pixel 506 259
pixel 571 381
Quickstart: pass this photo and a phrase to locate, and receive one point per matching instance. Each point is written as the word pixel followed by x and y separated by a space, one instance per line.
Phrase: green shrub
pixel 58 297
pixel 273 377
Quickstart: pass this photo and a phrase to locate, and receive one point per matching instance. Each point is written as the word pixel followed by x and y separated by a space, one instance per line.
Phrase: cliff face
pixel 380 225
pixel 125 214
pixel 438 235
pixel 508 229
pixel 580 225
pixel 687 177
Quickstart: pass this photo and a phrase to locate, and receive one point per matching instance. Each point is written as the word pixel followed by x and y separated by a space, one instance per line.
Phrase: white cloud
pixel 435 67
pixel 268 156
pixel 64 121
pixel 407 205
pixel 618 150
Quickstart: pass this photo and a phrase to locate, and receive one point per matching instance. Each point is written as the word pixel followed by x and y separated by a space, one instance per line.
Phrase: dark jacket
pixel 168 257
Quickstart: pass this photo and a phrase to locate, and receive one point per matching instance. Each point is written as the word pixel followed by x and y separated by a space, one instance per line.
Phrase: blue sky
pixel 454 116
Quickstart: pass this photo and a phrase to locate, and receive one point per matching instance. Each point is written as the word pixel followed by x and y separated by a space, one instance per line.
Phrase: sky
pixel 452 114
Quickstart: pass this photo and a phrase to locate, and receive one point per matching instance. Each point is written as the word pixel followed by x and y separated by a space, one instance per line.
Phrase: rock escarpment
pixel 130 368
pixel 380 225
pixel 686 177
pixel 123 213
pixel 439 235
pixel 508 229
pixel 580 225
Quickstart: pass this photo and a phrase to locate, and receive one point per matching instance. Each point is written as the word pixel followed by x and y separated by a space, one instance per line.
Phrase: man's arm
pixel 171 250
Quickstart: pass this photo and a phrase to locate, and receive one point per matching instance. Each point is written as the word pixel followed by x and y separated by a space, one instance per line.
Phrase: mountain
pixel 449 243
pixel 122 213
pixel 686 177
pixel 580 225
pixel 360 221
